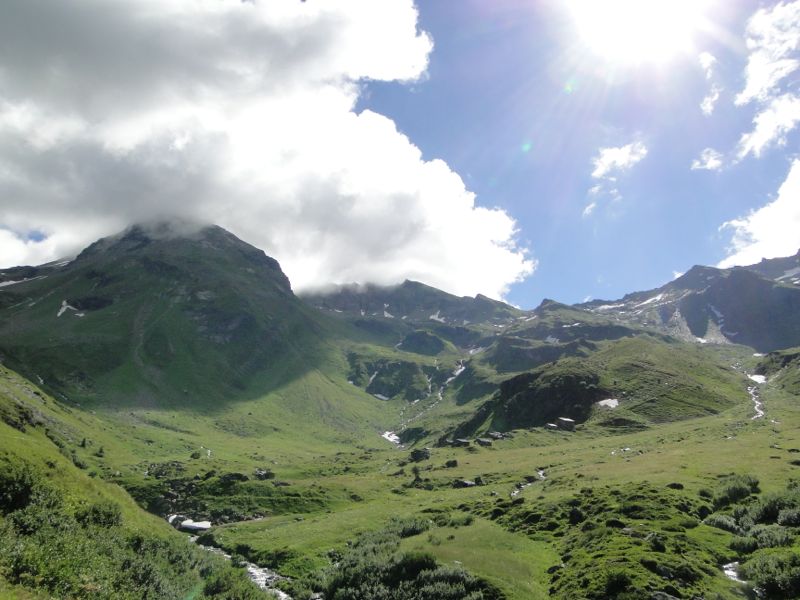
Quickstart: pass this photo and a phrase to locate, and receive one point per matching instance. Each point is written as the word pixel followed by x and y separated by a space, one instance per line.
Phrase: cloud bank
pixel 241 114
pixel 770 231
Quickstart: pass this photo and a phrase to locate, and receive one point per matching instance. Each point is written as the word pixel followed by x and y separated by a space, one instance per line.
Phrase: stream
pixel 262 577
pixel 758 405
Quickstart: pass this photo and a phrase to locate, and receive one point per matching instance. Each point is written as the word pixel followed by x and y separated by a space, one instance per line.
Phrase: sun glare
pixel 636 31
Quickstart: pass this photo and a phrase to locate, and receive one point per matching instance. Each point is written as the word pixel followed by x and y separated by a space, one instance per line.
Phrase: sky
pixel 522 149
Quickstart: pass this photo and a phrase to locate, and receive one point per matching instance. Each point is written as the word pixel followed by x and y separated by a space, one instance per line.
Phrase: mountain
pixel 157 315
pixel 414 302
pixel 755 306
pixel 321 435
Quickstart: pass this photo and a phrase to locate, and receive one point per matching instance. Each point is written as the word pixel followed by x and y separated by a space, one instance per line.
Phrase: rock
pixel 565 423
pixel 451 464
pixel 463 483
pixel 483 442
pixel 420 454
pixel 263 474
pixel 228 478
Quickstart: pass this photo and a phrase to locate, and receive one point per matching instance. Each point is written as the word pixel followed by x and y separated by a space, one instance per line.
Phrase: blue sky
pixel 521 149
pixel 517 105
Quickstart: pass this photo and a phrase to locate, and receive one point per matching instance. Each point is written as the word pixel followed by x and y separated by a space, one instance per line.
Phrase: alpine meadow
pixel 337 301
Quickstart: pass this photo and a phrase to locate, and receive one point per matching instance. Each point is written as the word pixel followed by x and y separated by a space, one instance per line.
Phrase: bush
pixel 617 582
pixel 17 483
pixel 762 536
pixel 724 522
pixel 769 507
pixel 102 514
pixel 734 489
pixel 372 568
pixel 777 573
pixel 231 584
pixel 789 517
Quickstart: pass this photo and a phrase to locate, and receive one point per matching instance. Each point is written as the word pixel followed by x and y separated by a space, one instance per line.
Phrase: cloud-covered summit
pixel 241 114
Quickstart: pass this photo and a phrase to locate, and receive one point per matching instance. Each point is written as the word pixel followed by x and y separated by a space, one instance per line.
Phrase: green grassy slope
pixel 64 533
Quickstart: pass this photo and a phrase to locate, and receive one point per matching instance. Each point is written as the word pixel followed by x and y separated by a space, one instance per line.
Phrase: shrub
pixel 724 522
pixel 734 489
pixel 789 517
pixel 17 483
pixel 777 573
pixel 617 582
pixel 102 514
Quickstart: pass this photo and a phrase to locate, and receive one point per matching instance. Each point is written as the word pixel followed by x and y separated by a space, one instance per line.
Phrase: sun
pixel 637 31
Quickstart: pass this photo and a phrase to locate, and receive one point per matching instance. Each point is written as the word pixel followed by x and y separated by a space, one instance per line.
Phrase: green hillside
pixel 66 533
pixel 176 372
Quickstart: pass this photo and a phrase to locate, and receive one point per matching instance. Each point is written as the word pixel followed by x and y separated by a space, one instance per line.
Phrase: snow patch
pixel 650 301
pixel 380 396
pixel 391 436
pixel 7 283
pixel 758 354
pixel 64 308
pixel 790 273
pixel 190 525
pixel 478 350
pixel 609 306
pixel 609 403
pixel 436 317
pixel 387 315
pixel 757 378
pixel 701 340
pixel 551 340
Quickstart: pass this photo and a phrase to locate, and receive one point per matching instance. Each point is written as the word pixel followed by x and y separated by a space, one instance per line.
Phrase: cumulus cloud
pixel 241 114
pixel 772 125
pixel 773 35
pixel 770 231
pixel 611 161
pixel 609 164
pixel 773 41
pixel 710 160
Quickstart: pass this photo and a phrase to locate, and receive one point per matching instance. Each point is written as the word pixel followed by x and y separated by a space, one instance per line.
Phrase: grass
pixel 168 395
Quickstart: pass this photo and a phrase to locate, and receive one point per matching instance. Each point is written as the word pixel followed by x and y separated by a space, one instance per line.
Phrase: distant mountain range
pixel 164 315
pixel 177 362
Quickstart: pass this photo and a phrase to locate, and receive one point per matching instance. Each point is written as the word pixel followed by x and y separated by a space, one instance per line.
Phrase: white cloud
pixel 710 160
pixel 710 101
pixel 708 63
pixel 770 231
pixel 773 37
pixel 772 125
pixel 773 41
pixel 609 164
pixel 242 114
pixel 614 160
